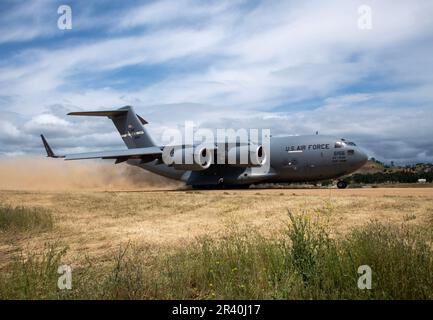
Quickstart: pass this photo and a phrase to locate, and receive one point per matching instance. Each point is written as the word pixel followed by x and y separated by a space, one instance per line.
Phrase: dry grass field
pixel 180 238
pixel 95 223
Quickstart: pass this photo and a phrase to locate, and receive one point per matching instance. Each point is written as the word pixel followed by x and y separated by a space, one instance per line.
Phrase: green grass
pixel 302 262
pixel 33 276
pixel 15 219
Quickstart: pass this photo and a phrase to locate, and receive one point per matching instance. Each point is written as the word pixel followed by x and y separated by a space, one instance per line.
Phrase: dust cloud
pixel 35 173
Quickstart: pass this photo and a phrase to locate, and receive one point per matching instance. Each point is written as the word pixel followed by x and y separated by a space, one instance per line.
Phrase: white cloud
pixel 273 52
pixel 232 61
pixel 8 130
pixel 47 119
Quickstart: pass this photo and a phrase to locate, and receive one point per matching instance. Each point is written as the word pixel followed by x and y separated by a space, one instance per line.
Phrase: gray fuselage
pixel 292 159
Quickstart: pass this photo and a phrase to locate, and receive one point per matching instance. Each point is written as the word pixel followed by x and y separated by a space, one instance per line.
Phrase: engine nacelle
pixel 249 156
pixel 257 155
pixel 192 159
pixel 201 158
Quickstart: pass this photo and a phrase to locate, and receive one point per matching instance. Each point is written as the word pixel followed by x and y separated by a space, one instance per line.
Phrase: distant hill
pixel 374 172
pixel 372 166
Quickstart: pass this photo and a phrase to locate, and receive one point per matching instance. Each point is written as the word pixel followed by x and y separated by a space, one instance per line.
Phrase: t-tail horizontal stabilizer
pixel 129 124
pixel 48 149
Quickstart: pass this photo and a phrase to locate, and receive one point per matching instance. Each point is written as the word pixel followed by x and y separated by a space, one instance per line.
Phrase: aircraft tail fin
pixel 129 124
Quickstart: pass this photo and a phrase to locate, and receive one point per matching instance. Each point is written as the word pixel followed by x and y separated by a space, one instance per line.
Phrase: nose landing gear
pixel 341 184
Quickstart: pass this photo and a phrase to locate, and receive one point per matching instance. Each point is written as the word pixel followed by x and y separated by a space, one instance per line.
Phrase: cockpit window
pixel 343 142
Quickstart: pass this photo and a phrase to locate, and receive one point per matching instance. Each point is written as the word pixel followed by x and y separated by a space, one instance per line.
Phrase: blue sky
pixel 293 66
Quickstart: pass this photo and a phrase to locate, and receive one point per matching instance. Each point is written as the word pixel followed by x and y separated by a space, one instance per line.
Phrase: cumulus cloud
pixel 295 67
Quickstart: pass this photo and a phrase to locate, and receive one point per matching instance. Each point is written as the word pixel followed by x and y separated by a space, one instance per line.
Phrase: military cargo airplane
pixel 290 159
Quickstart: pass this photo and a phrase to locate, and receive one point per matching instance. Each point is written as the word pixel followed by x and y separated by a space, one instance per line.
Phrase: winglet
pixel 48 149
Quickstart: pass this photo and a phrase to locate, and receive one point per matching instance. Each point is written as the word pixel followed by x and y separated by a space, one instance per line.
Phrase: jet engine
pixel 257 155
pixel 249 156
pixel 195 159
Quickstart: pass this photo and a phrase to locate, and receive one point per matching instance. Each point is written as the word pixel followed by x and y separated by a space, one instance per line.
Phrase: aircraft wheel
pixel 341 184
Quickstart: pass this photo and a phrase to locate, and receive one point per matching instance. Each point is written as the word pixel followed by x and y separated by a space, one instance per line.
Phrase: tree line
pixel 386 177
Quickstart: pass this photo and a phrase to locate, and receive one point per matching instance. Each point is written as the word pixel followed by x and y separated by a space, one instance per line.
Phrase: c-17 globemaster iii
pixel 284 159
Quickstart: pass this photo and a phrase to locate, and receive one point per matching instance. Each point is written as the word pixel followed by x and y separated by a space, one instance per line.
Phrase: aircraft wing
pixel 147 154
pixel 129 153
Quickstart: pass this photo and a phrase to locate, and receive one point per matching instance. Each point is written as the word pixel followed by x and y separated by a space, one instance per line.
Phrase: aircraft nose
pixel 362 158
pixel 357 158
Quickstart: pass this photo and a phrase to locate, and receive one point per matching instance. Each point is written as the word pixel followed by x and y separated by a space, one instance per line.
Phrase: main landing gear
pixel 341 184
